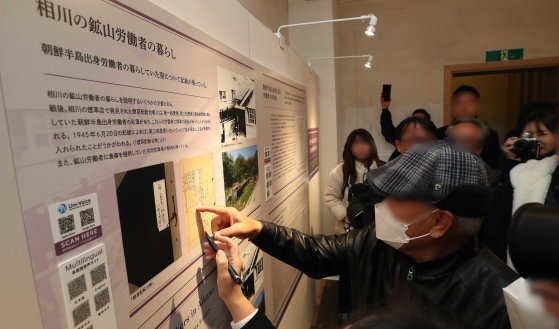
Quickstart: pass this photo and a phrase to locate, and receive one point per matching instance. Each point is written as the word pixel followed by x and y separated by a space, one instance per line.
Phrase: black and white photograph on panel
pixel 148 220
pixel 237 111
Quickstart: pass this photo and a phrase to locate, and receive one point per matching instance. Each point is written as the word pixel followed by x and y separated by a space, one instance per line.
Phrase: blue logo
pixel 62 208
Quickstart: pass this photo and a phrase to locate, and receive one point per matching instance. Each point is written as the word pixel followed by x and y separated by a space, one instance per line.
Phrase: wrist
pixel 238 305
pixel 235 296
pixel 257 228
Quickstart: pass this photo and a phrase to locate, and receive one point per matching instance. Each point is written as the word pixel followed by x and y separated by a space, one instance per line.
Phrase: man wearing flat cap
pixel 424 238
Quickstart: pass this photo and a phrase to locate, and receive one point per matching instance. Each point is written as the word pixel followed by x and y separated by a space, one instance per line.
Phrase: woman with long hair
pixel 360 155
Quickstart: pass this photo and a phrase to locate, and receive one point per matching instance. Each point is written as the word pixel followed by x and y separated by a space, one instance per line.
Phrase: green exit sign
pixel 504 55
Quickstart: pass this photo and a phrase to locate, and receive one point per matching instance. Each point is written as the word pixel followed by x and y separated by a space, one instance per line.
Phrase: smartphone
pixel 386 90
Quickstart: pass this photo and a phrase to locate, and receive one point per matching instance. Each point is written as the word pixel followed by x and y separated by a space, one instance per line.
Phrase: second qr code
pixel 102 299
pixel 98 274
pixel 87 217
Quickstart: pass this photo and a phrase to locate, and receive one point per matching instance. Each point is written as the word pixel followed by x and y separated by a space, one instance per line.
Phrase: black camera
pixel 527 147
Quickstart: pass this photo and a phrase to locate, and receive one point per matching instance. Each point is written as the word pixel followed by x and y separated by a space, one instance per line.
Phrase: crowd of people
pixel 430 238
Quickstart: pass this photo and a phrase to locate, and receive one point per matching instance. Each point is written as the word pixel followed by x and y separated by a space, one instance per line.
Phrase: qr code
pixel 98 274
pixel 102 299
pixel 87 217
pixel 66 224
pixel 81 313
pixel 77 287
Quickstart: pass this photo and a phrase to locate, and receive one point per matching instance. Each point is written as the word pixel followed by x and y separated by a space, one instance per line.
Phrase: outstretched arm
pixel 317 256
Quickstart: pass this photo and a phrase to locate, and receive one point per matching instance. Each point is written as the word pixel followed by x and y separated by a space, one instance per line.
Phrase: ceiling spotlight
pixel 369 63
pixel 371 29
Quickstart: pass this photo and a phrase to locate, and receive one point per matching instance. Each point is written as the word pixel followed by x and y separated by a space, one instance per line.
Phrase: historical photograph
pixel 237 112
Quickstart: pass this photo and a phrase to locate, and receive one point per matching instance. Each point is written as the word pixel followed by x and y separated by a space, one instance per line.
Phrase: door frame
pixel 513 65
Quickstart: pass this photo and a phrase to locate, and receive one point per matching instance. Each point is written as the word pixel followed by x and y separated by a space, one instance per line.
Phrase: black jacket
pixel 469 282
pixel 259 321
pixel 491 151
pixel 387 128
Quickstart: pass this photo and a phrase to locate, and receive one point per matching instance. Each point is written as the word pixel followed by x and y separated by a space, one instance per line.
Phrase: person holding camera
pixel 537 125
pixel 531 180
pixel 536 179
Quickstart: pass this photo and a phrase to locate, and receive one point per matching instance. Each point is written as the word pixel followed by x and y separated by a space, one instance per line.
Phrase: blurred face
pixel 468 135
pixel 465 105
pixel 361 150
pixel 549 293
pixel 415 134
pixel 543 135
pixel 421 216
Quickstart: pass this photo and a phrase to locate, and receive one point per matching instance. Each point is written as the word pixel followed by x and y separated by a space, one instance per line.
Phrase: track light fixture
pixel 368 64
pixel 369 31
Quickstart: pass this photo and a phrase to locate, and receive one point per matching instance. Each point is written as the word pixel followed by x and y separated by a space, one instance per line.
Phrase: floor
pixel 326 316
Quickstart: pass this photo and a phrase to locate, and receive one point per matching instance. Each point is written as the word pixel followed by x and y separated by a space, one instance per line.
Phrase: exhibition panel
pixel 122 120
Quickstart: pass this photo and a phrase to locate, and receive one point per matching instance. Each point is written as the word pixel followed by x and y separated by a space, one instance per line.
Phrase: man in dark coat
pixel 424 238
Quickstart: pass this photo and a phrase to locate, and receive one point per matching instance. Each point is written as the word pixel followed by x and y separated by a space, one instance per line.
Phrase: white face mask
pixel 393 232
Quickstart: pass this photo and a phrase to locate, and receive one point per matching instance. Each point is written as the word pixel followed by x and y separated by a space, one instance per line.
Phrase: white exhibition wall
pixel 247 36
